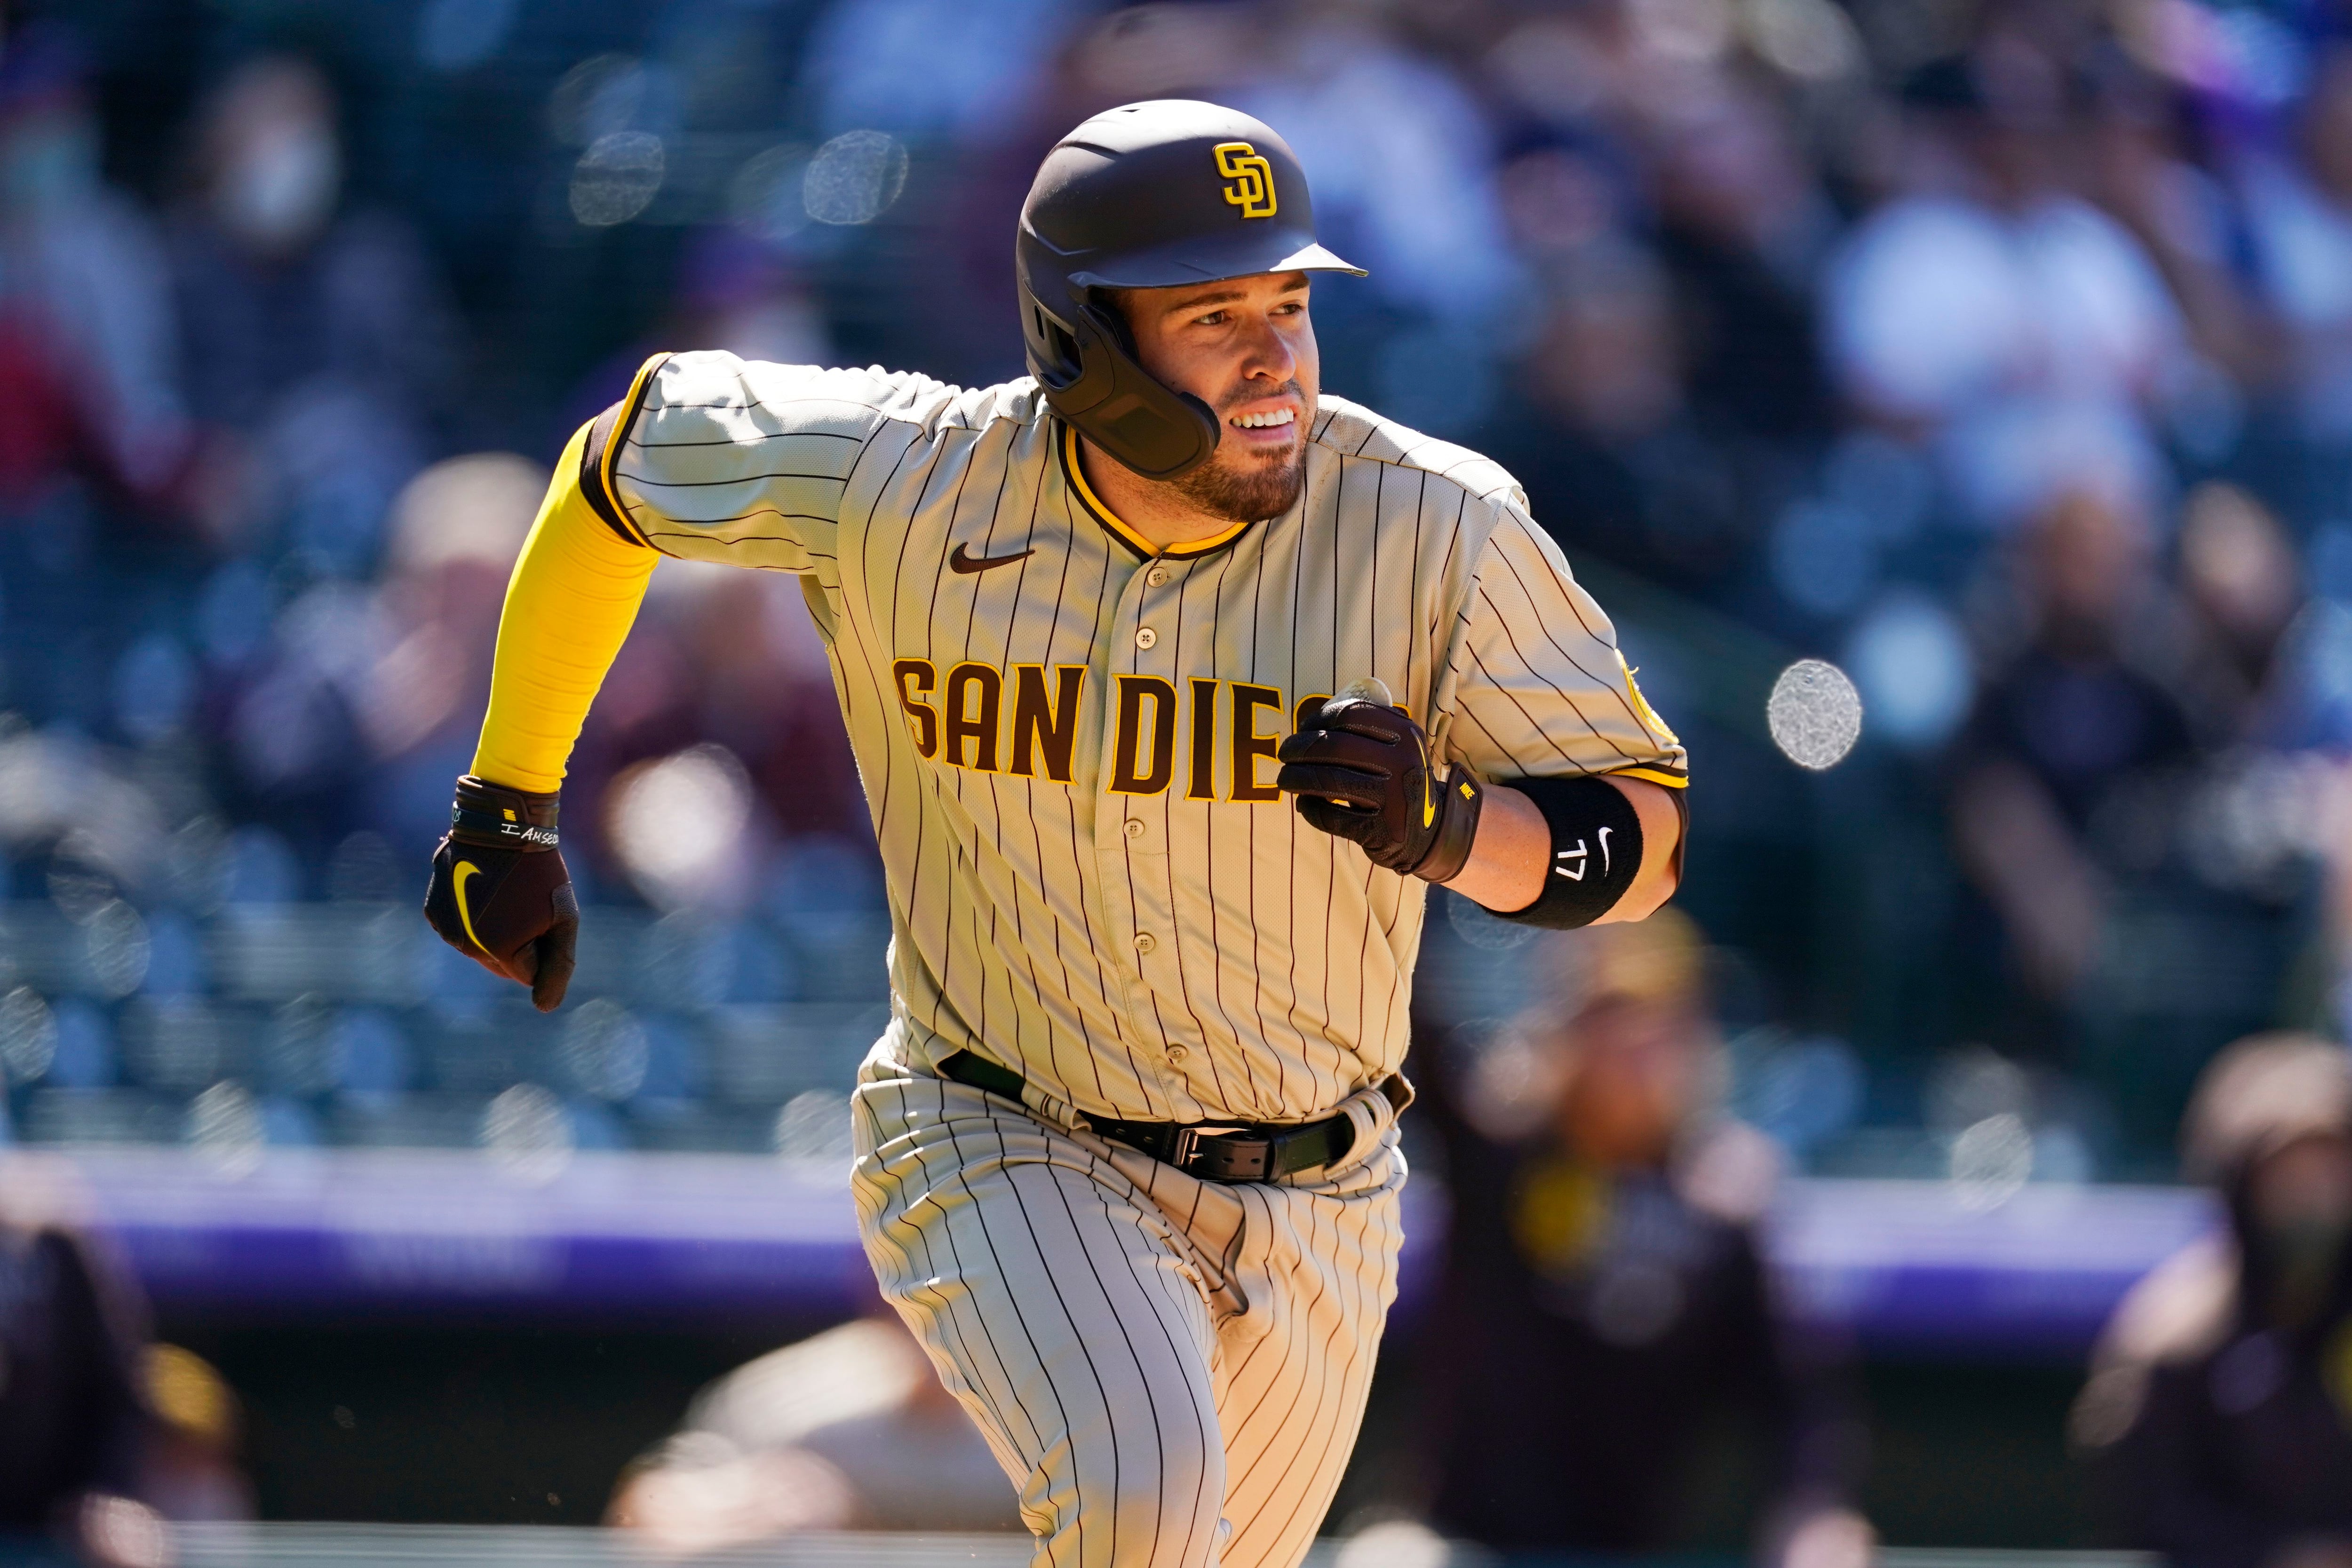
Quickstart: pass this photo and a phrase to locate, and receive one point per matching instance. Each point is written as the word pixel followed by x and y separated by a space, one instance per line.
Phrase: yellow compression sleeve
pixel 569 603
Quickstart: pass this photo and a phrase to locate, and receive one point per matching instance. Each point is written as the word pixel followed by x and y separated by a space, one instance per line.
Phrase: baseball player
pixel 1126 1154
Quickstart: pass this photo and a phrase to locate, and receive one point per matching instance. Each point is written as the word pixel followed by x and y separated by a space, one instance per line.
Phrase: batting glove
pixel 501 893
pixel 1362 772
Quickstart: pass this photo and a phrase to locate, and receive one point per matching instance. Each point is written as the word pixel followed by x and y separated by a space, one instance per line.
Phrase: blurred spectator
pixel 2150 158
pixel 1401 154
pixel 725 691
pixel 1604 1303
pixel 2218 1416
pixel 2298 214
pixel 74 1415
pixel 1604 438
pixel 87 350
pixel 367 702
pixel 1743 226
pixel 1988 309
pixel 2064 734
pixel 455 532
pixel 731 292
pixel 319 347
pixel 929 68
pixel 2125 800
pixel 2264 663
pixel 848 1430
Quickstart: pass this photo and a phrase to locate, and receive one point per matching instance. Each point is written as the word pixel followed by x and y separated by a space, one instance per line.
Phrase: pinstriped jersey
pixel 1067 740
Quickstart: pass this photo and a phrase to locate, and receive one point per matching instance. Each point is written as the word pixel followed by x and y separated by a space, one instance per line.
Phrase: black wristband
pixel 497 818
pixel 1457 829
pixel 1596 850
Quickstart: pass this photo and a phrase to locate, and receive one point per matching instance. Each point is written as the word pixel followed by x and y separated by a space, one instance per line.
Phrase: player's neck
pixel 1156 511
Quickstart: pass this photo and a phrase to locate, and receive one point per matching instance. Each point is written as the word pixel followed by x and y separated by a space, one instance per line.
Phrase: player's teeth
pixel 1263 421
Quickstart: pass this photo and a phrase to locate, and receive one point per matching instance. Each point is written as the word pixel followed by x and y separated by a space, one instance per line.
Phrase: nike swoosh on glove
pixel 1362 771
pixel 501 893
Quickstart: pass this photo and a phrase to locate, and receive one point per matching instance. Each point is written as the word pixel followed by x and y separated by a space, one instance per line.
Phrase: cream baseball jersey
pixel 1067 740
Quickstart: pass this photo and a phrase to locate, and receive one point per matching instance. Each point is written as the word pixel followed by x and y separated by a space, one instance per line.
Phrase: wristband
pixel 1596 850
pixel 1457 827
pixel 497 818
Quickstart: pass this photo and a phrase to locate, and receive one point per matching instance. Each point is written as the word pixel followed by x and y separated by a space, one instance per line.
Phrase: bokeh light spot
pixel 1815 714
pixel 676 824
pixel 616 178
pixel 854 177
pixel 526 1133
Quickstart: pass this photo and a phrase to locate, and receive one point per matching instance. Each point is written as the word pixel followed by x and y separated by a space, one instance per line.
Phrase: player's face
pixel 1246 348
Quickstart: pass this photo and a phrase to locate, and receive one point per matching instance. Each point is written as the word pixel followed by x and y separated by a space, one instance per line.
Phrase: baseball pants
pixel 1171 1370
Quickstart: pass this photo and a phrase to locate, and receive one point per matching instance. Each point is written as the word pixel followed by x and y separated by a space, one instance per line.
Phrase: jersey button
pixel 1157 576
pixel 1176 1055
pixel 1135 828
pixel 1145 637
pixel 1145 941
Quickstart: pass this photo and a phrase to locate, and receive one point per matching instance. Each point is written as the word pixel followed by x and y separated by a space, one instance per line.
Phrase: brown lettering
pixel 1129 775
pixel 1201 782
pixel 1040 726
pixel 963 724
pixel 1249 745
pixel 920 716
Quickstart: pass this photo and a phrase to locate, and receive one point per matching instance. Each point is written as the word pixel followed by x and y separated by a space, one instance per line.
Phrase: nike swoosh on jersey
pixel 465 868
pixel 963 560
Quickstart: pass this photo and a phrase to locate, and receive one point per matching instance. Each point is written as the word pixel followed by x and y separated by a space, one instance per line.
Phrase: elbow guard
pixel 1596 850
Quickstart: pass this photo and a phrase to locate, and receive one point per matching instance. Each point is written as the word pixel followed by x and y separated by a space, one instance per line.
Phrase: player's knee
pixel 1156 1499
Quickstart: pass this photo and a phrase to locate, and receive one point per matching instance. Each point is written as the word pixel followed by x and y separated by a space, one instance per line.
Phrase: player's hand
pixel 501 893
pixel 1362 771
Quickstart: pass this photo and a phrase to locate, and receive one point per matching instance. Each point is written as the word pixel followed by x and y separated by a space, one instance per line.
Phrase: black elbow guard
pixel 1596 850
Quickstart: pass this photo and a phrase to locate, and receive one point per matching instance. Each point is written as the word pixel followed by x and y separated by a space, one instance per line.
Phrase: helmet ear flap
pixel 1102 389
pixel 1054 351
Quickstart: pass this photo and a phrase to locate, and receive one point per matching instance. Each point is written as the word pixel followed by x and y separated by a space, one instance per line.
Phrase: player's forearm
pixel 1513 851
pixel 1508 858
pixel 569 603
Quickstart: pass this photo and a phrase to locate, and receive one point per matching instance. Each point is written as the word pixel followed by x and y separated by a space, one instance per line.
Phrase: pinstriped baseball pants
pixel 1171 1370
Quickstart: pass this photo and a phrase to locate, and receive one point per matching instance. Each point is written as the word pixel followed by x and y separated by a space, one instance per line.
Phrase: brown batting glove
pixel 501 893
pixel 1362 772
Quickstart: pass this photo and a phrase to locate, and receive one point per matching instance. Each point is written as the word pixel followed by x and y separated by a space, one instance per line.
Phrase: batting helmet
pixel 1146 197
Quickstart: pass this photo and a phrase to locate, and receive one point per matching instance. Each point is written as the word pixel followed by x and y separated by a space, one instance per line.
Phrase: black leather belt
pixel 1229 1154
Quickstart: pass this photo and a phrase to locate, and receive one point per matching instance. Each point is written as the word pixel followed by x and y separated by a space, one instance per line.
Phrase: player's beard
pixel 1250 487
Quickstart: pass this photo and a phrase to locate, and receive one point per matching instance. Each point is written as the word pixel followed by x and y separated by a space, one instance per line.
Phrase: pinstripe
pixel 1536 620
pixel 936 1301
pixel 1025 1256
pixel 1243 1393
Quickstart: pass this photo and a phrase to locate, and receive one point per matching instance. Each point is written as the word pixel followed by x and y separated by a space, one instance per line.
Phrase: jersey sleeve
pixel 713 458
pixel 1537 687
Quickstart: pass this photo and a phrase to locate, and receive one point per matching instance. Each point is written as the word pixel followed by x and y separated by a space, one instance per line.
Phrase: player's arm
pixel 1363 771
pixel 500 891
pixel 1562 805
pixel 709 458
pixel 1513 851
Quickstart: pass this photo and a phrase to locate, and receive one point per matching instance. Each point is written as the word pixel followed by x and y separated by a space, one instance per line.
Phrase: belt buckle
pixel 1228 1155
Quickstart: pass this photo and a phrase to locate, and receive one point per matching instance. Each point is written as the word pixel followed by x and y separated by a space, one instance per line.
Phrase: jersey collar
pixel 1092 505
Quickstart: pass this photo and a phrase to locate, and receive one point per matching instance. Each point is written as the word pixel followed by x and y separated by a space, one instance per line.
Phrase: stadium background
pixel 297 300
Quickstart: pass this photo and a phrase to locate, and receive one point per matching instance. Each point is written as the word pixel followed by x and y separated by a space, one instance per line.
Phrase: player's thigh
pixel 1293 1375
pixel 1060 1308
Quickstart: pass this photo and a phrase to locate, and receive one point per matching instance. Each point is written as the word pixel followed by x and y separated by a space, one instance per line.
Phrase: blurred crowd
pixel 1998 352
